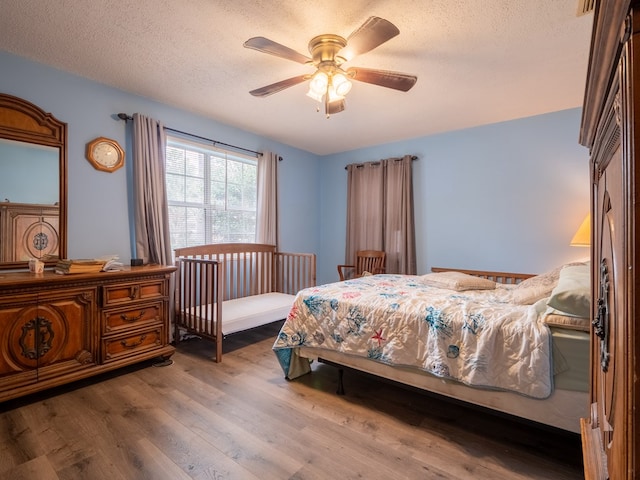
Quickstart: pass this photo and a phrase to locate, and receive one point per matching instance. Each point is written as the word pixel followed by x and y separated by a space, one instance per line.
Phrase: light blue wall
pixel 98 220
pixel 507 196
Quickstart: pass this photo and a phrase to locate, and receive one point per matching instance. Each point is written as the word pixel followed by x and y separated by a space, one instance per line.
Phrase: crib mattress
pixel 253 311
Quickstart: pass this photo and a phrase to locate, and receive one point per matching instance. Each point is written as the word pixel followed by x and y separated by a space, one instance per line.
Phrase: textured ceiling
pixel 477 62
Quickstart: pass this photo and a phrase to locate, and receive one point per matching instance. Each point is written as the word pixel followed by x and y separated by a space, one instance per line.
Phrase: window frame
pixel 208 205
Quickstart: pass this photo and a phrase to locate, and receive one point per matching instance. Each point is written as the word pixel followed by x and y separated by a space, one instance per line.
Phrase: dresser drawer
pixel 116 320
pixel 123 293
pixel 126 345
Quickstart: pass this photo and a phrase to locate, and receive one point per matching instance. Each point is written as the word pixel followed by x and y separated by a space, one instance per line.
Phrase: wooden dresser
pixel 611 433
pixel 55 329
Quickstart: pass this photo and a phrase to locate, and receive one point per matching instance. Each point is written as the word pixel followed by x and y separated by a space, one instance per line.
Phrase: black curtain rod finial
pixel 125 117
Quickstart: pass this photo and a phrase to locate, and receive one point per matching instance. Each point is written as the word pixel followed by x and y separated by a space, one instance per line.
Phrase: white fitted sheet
pixel 253 311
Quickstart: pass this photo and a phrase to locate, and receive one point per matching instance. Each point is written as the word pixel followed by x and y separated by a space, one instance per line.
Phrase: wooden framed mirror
pixel 33 184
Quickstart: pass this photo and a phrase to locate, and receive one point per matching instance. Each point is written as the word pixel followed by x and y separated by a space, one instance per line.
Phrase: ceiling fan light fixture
pixel 341 84
pixel 332 94
pixel 315 95
pixel 331 86
pixel 318 84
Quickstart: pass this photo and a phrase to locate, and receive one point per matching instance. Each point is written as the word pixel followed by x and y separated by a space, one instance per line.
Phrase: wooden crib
pixel 229 287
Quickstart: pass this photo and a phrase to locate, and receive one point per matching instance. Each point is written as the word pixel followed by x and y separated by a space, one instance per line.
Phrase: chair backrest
pixel 371 261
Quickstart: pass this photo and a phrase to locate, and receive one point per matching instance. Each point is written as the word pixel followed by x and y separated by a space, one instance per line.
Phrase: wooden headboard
pixel 499 277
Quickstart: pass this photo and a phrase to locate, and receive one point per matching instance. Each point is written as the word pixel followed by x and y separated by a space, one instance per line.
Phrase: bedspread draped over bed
pixel 474 337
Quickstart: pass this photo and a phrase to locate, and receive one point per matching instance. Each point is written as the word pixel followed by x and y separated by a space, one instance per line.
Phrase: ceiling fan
pixel 330 82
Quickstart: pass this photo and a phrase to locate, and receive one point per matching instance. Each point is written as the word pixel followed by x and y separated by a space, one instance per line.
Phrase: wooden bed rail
pixel 498 277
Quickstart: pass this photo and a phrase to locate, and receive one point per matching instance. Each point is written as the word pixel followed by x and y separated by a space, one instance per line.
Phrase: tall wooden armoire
pixel 611 131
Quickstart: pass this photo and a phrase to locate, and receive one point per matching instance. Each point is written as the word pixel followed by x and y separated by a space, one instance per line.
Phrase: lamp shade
pixel 582 238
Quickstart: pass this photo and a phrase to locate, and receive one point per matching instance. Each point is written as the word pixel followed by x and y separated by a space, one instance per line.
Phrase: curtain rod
pixel 126 118
pixel 413 157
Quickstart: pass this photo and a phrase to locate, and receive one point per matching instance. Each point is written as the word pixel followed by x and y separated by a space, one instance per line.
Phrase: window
pixel 212 194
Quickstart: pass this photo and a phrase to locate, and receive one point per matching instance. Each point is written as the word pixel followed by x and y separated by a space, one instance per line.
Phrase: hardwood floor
pixel 241 419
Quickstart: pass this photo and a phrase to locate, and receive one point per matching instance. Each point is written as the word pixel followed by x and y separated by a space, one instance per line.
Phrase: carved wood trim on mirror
pixel 25 233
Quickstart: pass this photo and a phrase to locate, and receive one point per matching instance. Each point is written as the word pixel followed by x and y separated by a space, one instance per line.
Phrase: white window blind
pixel 212 194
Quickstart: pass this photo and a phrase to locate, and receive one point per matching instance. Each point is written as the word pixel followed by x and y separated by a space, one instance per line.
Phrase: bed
pixel 513 343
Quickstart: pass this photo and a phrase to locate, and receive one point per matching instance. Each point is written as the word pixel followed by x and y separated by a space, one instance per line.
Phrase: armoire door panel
pixel 610 347
pixel 611 130
pixel 28 231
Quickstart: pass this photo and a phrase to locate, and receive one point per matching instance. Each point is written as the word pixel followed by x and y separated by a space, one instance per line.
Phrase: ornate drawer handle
pixel 134 292
pixel 125 318
pixel 133 345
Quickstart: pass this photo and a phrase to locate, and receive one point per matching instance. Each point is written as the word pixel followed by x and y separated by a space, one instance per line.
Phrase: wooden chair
pixel 371 261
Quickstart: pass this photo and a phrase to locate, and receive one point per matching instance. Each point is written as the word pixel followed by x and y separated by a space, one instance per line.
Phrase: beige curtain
pixel 267 214
pixel 399 225
pixel 153 243
pixel 365 208
pixel 380 212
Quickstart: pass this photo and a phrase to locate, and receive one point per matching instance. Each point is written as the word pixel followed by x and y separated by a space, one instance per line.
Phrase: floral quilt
pixel 475 337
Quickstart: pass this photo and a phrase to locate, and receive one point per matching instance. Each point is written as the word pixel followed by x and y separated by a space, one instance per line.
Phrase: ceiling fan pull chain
pixel 326 99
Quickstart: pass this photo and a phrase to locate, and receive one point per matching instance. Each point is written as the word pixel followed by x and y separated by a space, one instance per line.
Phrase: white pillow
pixel 536 288
pixel 572 294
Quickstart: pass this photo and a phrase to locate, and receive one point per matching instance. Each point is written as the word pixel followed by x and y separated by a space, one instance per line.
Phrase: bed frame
pixel 498 277
pixel 563 409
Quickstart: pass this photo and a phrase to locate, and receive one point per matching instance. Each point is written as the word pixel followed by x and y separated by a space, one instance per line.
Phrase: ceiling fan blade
pixel 383 78
pixel 276 87
pixel 374 32
pixel 269 46
pixel 334 107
